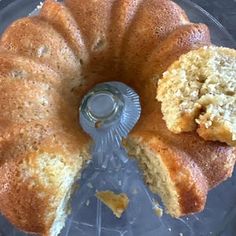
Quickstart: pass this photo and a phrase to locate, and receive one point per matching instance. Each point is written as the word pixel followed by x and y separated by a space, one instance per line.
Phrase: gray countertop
pixel 223 10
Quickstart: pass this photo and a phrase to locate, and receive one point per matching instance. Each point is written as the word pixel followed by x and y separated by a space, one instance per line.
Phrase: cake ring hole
pixel 101 105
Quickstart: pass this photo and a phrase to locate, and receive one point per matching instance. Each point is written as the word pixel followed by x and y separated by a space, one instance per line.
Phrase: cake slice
pixel 94 20
pixel 198 92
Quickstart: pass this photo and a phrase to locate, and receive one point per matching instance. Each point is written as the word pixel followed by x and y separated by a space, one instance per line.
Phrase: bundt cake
pixel 198 92
pixel 49 61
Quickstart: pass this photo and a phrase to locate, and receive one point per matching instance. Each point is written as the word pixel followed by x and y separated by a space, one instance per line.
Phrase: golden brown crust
pixel 123 12
pixel 34 38
pixel 41 103
pixel 152 23
pixel 181 40
pixel 29 213
pixel 62 20
pixel 13 66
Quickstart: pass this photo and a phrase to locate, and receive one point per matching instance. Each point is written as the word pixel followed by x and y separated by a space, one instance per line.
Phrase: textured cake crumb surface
pixel 118 203
pixel 199 92
pixel 156 176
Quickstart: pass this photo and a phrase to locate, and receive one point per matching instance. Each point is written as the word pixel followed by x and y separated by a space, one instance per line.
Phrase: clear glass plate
pixel 219 216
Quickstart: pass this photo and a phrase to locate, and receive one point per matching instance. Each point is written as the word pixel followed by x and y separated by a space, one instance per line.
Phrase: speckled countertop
pixel 223 10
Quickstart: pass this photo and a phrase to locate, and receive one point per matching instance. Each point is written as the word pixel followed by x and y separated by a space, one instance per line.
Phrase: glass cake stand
pixel 219 216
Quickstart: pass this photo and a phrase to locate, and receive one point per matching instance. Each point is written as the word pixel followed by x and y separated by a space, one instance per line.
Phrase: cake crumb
pixel 118 203
pixel 206 98
pixel 159 212
pixel 181 234
pixel 87 203
pixel 169 229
